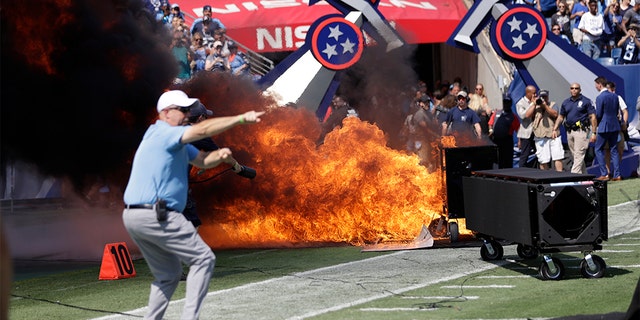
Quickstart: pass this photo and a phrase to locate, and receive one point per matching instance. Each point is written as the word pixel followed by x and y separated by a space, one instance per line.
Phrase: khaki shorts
pixel 548 149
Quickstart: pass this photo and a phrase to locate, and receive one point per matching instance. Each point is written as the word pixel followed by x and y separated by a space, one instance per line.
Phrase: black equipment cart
pixel 543 211
pixel 458 162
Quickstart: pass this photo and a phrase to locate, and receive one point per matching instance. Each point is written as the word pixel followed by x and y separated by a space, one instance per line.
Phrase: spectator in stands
pixel 548 146
pixel 200 52
pixel 220 34
pixel 178 24
pixel 548 8
pixel 555 29
pixel 578 115
pixel 198 24
pixel 462 121
pixel 181 52
pixel 208 33
pixel 562 19
pixel 525 108
pixel 151 5
pixel 624 6
pixel 632 15
pixel 175 12
pixel 577 11
pixel 421 121
pixel 612 24
pixel 479 103
pixel 630 45
pixel 607 109
pixel 592 27
pixel 238 62
pixel 447 102
pixel 503 123
pixel 215 61
pixel 163 13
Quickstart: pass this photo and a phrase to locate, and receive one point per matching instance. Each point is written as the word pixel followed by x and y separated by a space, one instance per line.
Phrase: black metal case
pixel 551 211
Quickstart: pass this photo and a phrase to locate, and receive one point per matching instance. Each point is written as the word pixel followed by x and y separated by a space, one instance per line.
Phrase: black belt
pixel 139 206
pixel 143 206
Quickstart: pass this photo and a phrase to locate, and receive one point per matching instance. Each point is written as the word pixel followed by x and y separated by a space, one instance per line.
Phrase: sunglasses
pixel 181 109
pixel 575 88
pixel 556 29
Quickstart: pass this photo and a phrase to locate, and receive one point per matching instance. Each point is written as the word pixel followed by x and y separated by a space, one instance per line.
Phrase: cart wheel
pixel 527 252
pixel 547 274
pixel 453 232
pixel 491 250
pixel 598 269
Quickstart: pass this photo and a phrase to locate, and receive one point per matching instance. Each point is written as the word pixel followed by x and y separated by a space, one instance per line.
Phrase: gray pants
pixel 165 246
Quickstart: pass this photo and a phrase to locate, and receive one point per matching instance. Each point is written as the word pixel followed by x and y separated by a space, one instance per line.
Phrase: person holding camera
pixel 578 115
pixel 215 60
pixel 156 196
pixel 548 146
pixel 525 108
pixel 630 45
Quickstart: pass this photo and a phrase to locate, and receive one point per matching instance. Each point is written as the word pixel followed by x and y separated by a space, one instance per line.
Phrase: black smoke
pixel 378 87
pixel 80 80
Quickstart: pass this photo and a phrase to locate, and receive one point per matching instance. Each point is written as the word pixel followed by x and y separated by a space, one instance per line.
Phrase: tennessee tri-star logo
pixel 519 34
pixel 336 43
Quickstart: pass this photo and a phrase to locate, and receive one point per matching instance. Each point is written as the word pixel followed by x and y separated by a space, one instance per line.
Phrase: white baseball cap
pixel 632 2
pixel 175 97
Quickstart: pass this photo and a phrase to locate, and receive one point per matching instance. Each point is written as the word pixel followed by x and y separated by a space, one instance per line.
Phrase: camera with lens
pixel 539 101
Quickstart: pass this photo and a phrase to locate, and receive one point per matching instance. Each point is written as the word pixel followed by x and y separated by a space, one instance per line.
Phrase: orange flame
pixel 352 189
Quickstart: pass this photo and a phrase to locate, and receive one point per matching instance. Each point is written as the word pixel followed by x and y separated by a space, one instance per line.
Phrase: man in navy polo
pixel 578 115
pixel 461 120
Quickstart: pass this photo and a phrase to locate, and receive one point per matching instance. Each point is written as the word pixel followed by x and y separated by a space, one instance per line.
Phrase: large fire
pixel 352 189
pixel 109 62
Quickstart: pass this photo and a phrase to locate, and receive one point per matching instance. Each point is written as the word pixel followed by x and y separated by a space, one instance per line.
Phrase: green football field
pixel 506 289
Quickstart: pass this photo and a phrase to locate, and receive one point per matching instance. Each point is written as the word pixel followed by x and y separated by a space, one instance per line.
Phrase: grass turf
pixel 78 294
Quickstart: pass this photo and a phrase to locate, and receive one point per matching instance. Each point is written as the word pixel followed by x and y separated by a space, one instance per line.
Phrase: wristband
pixel 241 119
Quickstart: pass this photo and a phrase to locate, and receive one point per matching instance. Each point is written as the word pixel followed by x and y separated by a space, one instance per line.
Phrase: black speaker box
pixel 549 210
pixel 460 162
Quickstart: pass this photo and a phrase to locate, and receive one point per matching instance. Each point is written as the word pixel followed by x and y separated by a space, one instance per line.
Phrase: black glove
pixel 247 172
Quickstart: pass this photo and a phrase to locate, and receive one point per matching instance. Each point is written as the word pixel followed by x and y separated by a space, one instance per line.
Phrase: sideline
pixel 319 291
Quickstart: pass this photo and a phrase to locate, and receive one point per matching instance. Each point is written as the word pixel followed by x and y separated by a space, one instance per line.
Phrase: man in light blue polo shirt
pixel 156 195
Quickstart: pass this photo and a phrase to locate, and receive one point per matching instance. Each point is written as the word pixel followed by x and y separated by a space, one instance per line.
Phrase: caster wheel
pixel 596 271
pixel 491 250
pixel 548 274
pixel 454 232
pixel 527 252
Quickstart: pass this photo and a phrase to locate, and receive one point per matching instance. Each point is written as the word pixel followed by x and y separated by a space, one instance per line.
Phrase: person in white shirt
pixel 592 26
